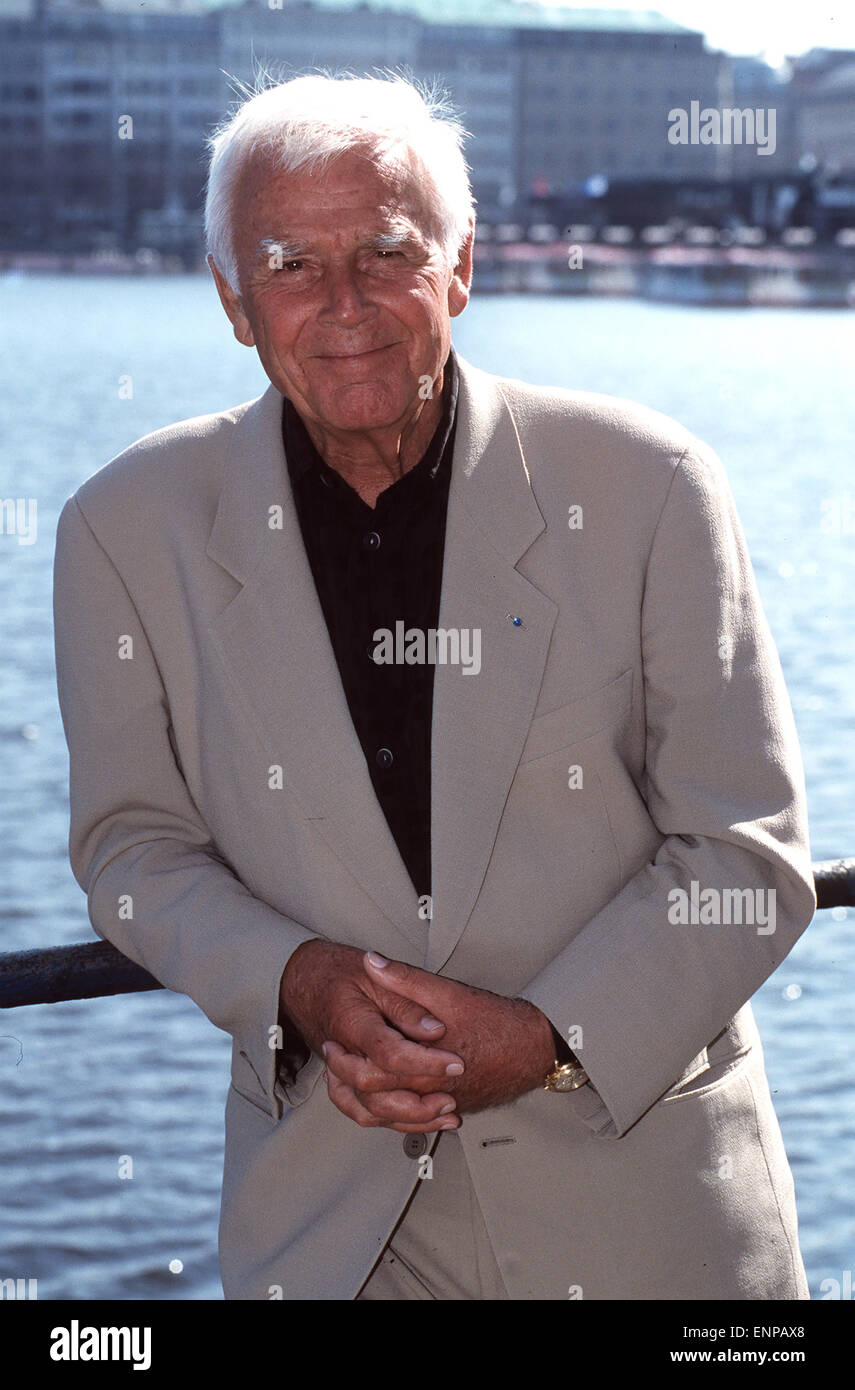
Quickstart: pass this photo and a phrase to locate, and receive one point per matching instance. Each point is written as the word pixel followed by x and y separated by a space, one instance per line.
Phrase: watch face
pixel 569 1078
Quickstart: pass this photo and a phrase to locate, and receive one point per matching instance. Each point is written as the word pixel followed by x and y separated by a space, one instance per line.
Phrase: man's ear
pixel 461 280
pixel 233 305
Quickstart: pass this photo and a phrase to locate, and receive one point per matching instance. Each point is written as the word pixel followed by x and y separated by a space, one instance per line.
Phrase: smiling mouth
pixel 352 356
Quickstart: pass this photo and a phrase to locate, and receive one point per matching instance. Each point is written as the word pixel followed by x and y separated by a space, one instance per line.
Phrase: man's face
pixel 352 317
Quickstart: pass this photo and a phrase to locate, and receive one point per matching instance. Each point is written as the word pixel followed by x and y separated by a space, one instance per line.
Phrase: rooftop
pixel 519 14
pixel 505 14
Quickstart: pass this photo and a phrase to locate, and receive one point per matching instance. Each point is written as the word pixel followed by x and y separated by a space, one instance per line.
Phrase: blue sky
pixel 773 28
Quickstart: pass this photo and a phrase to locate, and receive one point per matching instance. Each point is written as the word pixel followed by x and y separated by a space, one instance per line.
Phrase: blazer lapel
pixel 273 638
pixel 480 720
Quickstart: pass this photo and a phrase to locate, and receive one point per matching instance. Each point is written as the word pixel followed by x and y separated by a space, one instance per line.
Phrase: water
pixel 89 366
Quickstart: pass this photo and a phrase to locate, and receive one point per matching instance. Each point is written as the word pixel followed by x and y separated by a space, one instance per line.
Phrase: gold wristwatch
pixel 568 1074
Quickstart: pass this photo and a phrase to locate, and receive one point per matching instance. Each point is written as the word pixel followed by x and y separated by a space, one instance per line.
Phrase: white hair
pixel 308 121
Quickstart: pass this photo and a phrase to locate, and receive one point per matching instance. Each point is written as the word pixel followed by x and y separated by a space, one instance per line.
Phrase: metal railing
pixel 91 970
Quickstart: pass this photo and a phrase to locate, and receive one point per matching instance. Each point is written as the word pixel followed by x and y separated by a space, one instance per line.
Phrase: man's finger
pixel 386 1048
pixel 361 1027
pixel 409 1017
pixel 345 1099
pixel 364 1075
pixel 426 989
pixel 405 1107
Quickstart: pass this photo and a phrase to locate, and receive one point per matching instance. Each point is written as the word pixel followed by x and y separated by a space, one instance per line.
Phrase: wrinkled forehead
pixel 385 171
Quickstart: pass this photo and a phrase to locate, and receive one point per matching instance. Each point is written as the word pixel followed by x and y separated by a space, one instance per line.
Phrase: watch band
pixel 568 1074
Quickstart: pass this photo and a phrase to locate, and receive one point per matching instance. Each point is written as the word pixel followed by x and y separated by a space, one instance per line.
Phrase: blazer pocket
pixel 245 1081
pixel 298 1091
pixel 257 1102
pixel 713 1067
pixel 580 719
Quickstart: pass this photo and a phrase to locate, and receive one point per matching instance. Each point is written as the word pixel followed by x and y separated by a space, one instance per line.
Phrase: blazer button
pixel 384 758
pixel 415 1145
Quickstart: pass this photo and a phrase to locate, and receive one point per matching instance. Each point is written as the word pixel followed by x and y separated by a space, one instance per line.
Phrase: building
pixel 102 121
pixel 823 86
pixel 105 110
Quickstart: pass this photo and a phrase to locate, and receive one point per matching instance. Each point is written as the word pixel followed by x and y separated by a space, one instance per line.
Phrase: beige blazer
pixel 218 788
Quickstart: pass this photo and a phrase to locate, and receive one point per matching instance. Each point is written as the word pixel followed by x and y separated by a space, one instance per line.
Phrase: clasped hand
pixel 379 1026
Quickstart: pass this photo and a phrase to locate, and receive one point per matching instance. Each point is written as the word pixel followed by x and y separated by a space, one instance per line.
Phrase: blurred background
pixel 712 280
pixel 106 105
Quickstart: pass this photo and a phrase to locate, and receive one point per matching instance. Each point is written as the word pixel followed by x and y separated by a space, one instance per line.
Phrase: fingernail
pixel 448 1125
pixel 454 1069
pixel 324 1049
pixel 431 1023
pixel 378 960
pixel 446 1108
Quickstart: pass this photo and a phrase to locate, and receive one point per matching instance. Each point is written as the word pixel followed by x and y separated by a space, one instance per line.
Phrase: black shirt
pixel 374 569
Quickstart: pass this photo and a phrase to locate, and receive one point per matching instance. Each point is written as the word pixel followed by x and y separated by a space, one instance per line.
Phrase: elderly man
pixel 426 730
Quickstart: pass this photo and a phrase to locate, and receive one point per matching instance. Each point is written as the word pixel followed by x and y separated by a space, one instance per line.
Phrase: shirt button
pixel 383 757
pixel 371 541
pixel 415 1145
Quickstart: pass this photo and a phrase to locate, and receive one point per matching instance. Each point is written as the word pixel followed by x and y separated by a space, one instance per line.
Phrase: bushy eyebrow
pixel 393 240
pixel 284 250
pixel 270 246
